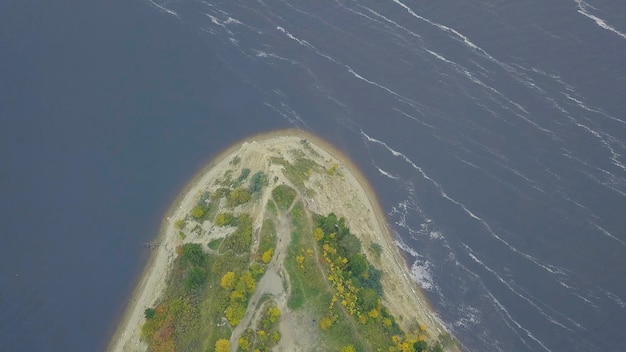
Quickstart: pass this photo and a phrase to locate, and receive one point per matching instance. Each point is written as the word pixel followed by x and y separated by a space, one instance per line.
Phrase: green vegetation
pixel 267 240
pixel 257 182
pixel 299 171
pixel 240 240
pixel 271 207
pixel 266 334
pixel 225 219
pixel 283 196
pixel 376 249
pixel 238 196
pixel 242 177
pixel 308 147
pixel 215 244
pixel 332 170
pixel 197 212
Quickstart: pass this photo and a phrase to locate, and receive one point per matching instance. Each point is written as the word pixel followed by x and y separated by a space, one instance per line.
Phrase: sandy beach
pixel 358 204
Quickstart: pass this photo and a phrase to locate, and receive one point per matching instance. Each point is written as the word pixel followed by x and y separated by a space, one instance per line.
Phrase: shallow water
pixel 493 133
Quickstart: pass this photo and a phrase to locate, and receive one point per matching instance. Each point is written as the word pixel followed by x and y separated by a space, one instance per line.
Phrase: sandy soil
pixel 347 193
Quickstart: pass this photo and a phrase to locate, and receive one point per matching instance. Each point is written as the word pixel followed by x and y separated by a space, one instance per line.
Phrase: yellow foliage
pixel 326 323
pixel 299 259
pixel 222 345
pixel 348 348
pixel 422 327
pixel 387 322
pixel 228 280
pixel 405 347
pixel 362 319
pixel 244 343
pixel 234 313
pixel 318 234
pixel 373 314
pixel 237 296
pixel 248 281
pixel 267 255
pixel 273 313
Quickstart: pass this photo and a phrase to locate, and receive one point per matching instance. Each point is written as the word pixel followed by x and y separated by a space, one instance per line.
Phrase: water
pixel 493 133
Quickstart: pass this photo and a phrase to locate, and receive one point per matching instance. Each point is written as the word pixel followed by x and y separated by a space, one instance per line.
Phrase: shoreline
pixel 161 257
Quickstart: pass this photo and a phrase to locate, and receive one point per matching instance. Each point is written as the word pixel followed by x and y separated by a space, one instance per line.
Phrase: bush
pixel 196 278
pixel 149 313
pixel 376 249
pixel 257 182
pixel 192 254
pixel 238 196
pixel 197 212
pixel 240 240
pixel 244 174
pixel 215 244
pixel 225 219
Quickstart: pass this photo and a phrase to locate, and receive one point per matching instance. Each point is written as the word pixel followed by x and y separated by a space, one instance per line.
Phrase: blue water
pixel 493 132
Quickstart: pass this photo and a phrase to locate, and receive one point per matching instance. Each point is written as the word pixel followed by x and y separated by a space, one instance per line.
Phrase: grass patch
pixel 215 244
pixel 271 207
pixel 283 196
pixel 267 237
pixel 239 241
pixel 300 170
pixel 307 284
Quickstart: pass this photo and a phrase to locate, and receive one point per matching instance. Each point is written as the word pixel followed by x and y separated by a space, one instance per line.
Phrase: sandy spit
pixel 151 285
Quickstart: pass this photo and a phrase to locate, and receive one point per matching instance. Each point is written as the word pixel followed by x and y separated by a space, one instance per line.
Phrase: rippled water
pixel 493 132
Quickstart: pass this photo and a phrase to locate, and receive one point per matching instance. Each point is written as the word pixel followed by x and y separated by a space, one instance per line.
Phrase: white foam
pixel 583 9
pixel 421 272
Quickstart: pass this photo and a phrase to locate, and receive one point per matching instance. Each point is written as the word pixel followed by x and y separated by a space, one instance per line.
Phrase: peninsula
pixel 278 244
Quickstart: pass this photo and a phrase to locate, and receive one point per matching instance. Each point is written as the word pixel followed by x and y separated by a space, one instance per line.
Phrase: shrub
pixel 225 219
pixel 196 278
pixel 222 345
pixel 257 182
pixel 149 313
pixel 192 254
pixel 238 196
pixel 197 212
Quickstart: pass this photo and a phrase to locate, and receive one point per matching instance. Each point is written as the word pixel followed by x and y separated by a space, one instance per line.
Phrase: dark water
pixel 493 132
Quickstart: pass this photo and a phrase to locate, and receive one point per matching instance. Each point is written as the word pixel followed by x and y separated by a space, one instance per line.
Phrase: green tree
pixel 257 182
pixel 358 265
pixel 192 254
pixel 149 313
pixel 420 346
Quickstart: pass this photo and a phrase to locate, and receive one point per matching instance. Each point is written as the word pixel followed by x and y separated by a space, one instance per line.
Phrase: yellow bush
pixel 267 256
pixel 222 345
pixel 326 323
pixel 228 280
pixel 373 313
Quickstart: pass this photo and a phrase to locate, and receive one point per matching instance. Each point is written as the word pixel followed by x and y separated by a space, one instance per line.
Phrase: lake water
pixel 493 132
